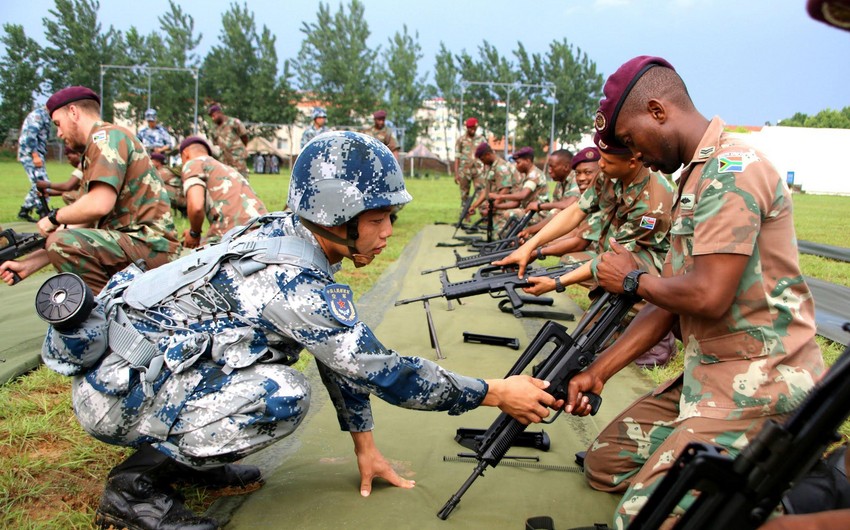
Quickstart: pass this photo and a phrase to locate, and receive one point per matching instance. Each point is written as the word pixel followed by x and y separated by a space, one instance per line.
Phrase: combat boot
pixel 138 496
pixel 226 476
pixel 24 215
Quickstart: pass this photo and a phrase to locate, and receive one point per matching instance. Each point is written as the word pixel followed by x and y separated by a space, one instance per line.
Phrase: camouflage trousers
pixel 637 448
pixel 201 416
pixel 35 174
pixel 464 183
pixel 95 255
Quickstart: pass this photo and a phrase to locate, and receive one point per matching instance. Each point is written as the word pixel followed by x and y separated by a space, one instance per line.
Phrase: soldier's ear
pixel 656 110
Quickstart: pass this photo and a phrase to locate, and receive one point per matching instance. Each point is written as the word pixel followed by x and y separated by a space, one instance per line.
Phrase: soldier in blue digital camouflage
pixel 208 380
pixel 32 153
pixel 319 118
pixel 154 136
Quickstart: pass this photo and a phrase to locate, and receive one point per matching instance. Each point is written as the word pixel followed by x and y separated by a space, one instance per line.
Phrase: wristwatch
pixel 194 234
pixel 52 217
pixel 559 287
pixel 538 254
pixel 631 281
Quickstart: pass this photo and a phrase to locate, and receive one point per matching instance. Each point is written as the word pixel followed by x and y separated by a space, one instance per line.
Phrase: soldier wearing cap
pixel 380 131
pixel 498 177
pixel 32 153
pixel 232 139
pixel 731 283
pixel 214 191
pixel 530 185
pixel 319 118
pixel 154 136
pixel 467 166
pixel 219 384
pixel 123 214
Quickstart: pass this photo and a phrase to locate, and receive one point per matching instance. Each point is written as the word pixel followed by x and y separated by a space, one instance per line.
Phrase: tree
pixel 336 66
pixel 20 78
pixel 78 48
pixel 578 88
pixel 446 85
pixel 403 88
pixel 241 72
pixel 825 119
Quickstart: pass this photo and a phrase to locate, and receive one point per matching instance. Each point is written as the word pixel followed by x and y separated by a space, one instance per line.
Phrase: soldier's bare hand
pixel 520 257
pixel 539 285
pixel 189 241
pixel 613 267
pixel 521 396
pixel 578 404
pixel 372 464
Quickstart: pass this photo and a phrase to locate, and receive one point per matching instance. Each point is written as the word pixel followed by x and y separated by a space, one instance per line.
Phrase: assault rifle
pixel 508 236
pixel 740 493
pixel 15 245
pixel 475 260
pixel 569 357
pixel 493 281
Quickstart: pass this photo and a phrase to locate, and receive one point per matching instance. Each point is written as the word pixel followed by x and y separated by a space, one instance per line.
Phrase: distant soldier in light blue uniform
pixel 154 136
pixel 208 380
pixel 319 119
pixel 32 150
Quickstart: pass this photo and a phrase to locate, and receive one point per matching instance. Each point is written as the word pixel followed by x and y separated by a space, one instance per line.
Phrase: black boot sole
pixel 105 521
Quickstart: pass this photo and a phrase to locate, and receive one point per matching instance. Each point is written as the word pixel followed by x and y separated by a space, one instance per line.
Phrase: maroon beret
pixel 588 154
pixel 833 12
pixel 213 109
pixel 524 152
pixel 69 95
pixel 472 122
pixel 379 114
pixel 195 140
pixel 612 149
pixel 158 156
pixel 482 148
pixel 617 89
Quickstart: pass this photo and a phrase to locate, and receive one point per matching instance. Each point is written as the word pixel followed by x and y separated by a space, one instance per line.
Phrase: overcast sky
pixel 749 61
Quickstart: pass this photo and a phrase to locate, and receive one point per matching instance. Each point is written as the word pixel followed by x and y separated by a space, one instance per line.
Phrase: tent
pixel 423 154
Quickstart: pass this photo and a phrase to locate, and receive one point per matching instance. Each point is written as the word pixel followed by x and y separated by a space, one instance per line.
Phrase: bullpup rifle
pixel 569 357
pixel 14 245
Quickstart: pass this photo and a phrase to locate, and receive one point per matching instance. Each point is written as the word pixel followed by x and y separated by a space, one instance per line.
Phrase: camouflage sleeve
pixel 28 140
pixel 588 202
pixel 356 364
pixel 392 145
pixel 571 189
pixel 240 128
pixel 108 154
pixel 193 175
pixel 731 204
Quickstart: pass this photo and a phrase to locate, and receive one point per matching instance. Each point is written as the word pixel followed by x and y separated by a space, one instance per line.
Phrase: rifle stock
pixel 741 493
pixel 568 358
pixel 17 245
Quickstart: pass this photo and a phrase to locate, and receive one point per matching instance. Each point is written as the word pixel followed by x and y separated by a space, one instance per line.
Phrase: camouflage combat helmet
pixel 150 115
pixel 319 112
pixel 337 176
pixel 340 174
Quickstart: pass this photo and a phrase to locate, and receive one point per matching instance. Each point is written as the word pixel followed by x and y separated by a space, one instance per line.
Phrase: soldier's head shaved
pixel 657 83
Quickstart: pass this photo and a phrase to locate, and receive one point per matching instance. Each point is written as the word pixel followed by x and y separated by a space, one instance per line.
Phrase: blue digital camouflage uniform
pixel 311 133
pixel 754 363
pixel 154 138
pixel 225 389
pixel 33 138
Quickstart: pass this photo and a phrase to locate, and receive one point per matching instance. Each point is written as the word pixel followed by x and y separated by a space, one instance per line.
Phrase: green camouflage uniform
pixel 754 363
pixel 468 167
pixel 228 136
pixel 499 175
pixel 385 135
pixel 174 187
pixel 140 225
pixel 229 199
pixel 536 181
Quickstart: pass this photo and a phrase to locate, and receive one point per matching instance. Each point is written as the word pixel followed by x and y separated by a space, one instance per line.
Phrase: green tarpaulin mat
pixel 312 479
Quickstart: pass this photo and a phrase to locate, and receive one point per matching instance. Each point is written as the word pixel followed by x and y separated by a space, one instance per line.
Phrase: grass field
pixel 51 472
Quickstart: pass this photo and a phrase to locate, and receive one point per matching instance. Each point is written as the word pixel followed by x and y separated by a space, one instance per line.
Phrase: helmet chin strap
pixel 359 260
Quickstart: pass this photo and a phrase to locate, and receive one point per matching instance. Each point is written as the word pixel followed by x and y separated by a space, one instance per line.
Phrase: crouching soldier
pixel 190 363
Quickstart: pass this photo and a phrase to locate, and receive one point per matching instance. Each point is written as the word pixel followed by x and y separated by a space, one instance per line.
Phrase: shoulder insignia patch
pixel 705 152
pixel 687 201
pixel 340 301
pixel 99 137
pixel 735 162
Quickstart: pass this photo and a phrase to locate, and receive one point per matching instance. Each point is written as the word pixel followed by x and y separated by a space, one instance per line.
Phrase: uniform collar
pixel 708 145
